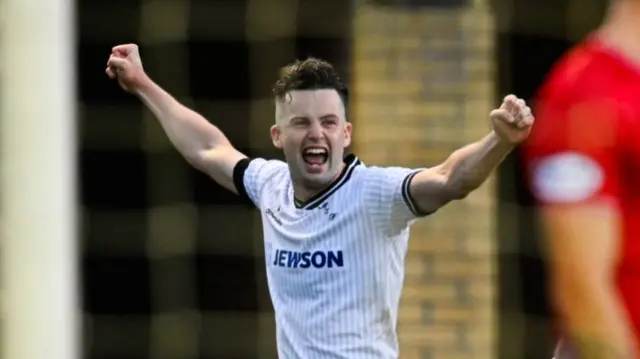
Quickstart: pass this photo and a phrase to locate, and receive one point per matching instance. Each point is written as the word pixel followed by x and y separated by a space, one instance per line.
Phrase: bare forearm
pixel 596 326
pixel 468 167
pixel 189 132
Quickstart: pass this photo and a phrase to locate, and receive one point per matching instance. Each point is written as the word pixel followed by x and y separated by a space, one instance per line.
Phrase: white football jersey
pixel 335 263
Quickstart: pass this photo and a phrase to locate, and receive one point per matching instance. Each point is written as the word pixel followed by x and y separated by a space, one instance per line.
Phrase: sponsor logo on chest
pixel 316 259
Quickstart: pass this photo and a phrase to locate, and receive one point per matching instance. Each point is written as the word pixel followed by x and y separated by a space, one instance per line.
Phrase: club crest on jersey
pixel 317 259
pixel 325 209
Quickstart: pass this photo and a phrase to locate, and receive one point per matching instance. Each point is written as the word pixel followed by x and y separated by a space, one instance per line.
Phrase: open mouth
pixel 315 156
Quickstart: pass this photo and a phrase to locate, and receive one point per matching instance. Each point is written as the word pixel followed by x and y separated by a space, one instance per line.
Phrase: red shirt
pixel 585 146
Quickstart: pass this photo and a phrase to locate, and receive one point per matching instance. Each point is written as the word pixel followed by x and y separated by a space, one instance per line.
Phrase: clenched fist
pixel 125 65
pixel 513 120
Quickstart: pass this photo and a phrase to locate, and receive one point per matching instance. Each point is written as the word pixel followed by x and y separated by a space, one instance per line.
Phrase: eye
pixel 299 122
pixel 330 122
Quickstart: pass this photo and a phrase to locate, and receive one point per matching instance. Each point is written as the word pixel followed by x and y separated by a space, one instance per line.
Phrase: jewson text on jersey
pixel 317 259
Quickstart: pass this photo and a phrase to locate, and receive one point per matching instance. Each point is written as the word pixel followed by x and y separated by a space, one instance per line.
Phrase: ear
pixel 276 135
pixel 348 130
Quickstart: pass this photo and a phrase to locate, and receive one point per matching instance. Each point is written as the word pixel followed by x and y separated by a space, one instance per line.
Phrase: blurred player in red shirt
pixel 583 161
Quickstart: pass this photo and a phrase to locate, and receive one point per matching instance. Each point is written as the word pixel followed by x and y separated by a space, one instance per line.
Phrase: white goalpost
pixel 38 270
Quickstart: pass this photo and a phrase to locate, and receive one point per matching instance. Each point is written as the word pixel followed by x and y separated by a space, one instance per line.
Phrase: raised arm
pixel 467 168
pixel 202 144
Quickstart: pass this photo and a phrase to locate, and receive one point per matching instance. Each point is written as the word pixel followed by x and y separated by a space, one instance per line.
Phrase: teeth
pixel 315 151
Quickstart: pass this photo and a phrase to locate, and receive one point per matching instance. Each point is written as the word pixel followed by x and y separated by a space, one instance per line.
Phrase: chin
pixel 318 175
pixel 317 180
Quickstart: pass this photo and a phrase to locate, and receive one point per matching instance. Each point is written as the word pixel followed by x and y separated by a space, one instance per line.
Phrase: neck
pixel 305 191
pixel 621 28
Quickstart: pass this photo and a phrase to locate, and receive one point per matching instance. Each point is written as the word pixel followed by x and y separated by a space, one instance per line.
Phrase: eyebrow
pixel 294 118
pixel 323 117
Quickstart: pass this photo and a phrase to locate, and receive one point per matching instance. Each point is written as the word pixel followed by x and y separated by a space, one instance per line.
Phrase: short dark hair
pixel 309 74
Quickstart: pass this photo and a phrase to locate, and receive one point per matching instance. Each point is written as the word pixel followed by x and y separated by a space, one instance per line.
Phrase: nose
pixel 315 132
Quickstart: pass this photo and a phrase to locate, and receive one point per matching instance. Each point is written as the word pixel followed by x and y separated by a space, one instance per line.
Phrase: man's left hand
pixel 512 121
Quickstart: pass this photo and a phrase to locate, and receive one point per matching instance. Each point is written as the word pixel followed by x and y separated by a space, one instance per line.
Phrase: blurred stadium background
pixel 172 265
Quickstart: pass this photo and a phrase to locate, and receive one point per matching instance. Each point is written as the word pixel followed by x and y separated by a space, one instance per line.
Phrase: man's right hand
pixel 201 143
pixel 125 65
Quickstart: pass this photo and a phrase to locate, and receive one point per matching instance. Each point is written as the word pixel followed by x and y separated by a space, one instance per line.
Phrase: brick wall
pixel 423 85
